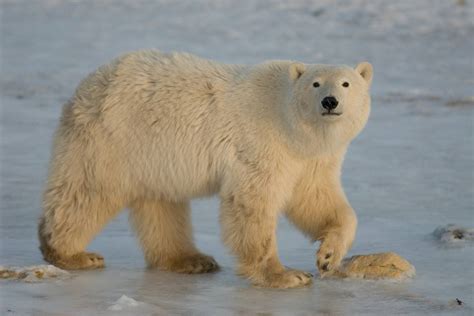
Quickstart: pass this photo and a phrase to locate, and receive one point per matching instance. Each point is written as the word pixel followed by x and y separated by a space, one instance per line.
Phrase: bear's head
pixel 328 105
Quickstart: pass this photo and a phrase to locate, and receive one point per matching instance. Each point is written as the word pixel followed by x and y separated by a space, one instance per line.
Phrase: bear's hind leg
pixel 67 226
pixel 165 233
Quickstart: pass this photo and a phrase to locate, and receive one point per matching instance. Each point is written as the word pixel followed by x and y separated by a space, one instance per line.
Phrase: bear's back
pixel 167 108
pixel 150 77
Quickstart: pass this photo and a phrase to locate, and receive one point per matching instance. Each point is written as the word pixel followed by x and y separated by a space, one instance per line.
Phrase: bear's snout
pixel 329 103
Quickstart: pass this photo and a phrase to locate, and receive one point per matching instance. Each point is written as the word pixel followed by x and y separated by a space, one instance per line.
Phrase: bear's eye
pixel 316 84
pixel 345 84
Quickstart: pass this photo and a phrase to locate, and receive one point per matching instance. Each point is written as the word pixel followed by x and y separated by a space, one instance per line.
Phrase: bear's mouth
pixel 331 113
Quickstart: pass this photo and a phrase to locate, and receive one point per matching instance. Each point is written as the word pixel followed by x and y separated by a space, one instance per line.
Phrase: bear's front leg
pixel 336 240
pixel 249 220
pixel 319 208
pixel 334 227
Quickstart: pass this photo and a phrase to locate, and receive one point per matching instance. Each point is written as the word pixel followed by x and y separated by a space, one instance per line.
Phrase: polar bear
pixel 152 130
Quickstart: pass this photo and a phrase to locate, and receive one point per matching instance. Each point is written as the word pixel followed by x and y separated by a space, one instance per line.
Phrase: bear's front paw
pixel 192 264
pixel 329 255
pixel 286 279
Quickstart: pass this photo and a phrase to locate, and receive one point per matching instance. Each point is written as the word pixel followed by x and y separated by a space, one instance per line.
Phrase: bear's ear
pixel 296 70
pixel 366 71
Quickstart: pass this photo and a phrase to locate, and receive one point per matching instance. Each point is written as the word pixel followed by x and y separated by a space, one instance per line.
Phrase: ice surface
pixel 409 172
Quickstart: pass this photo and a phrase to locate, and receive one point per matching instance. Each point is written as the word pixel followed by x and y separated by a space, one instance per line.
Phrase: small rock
pixel 318 12
pixel 456 303
pixel 387 265
pixel 461 102
pixel 453 233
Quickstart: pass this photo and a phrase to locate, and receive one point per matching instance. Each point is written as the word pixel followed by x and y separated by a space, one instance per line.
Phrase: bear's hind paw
pixel 193 264
pixel 286 280
pixel 80 261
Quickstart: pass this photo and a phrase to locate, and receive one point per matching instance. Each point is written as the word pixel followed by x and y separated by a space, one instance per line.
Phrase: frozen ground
pixel 409 172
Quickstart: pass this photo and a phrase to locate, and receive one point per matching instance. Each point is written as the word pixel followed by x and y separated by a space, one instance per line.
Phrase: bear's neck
pixel 267 93
pixel 311 142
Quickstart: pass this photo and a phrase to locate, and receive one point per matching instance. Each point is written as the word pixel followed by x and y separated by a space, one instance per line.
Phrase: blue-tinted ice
pixel 408 173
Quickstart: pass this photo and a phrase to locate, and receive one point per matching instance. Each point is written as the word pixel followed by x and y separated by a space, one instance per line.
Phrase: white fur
pixel 153 130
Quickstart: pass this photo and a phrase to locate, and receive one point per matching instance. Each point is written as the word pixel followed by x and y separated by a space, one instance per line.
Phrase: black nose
pixel 329 103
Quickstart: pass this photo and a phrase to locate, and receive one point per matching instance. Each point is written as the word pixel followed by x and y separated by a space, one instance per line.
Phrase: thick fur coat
pixel 150 131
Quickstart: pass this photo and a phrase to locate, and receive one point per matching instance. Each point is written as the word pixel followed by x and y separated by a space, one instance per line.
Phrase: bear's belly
pixel 180 179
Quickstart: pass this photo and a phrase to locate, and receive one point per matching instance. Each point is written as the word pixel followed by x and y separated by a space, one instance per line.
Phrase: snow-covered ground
pixel 408 173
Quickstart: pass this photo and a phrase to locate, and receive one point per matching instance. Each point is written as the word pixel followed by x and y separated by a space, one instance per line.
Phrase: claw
pixel 325 267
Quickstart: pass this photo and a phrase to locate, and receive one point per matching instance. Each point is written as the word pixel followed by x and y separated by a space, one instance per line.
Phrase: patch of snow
pixel 123 302
pixel 128 304
pixel 33 274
